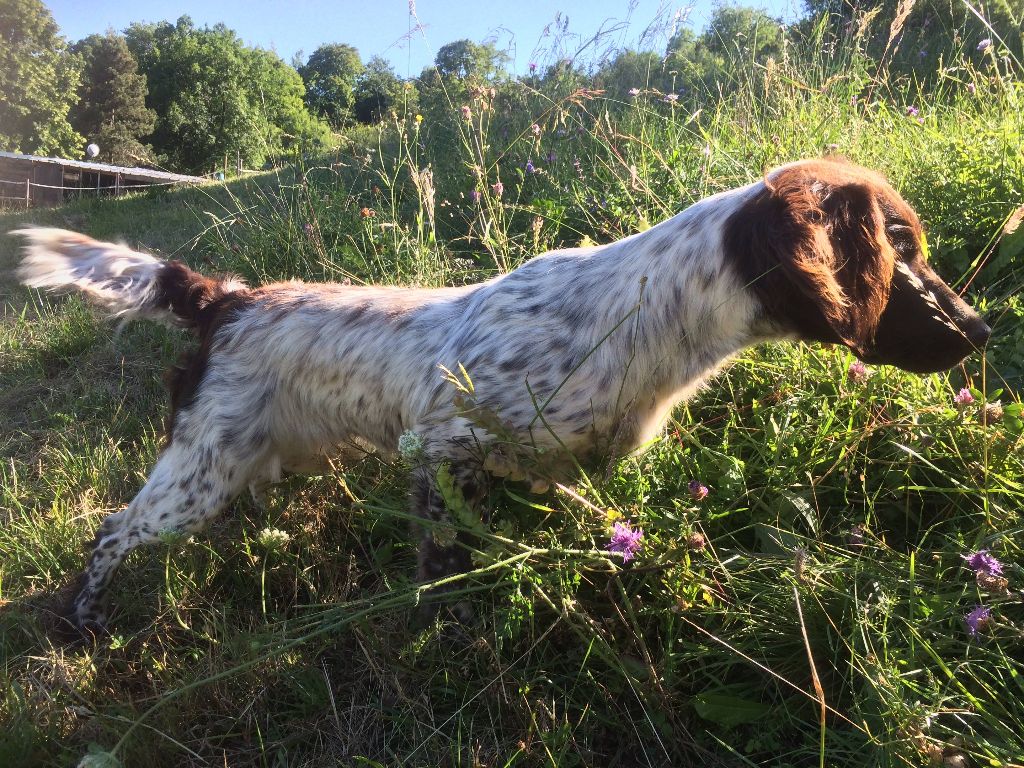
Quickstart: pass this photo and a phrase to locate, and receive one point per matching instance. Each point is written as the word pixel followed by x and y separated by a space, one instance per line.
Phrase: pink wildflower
pixel 857 371
pixel 985 562
pixel 625 540
pixel 498 188
pixel 963 397
pixel 698 491
pixel 977 620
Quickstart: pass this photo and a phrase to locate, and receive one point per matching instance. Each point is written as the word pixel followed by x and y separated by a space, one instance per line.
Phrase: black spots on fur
pixel 516 364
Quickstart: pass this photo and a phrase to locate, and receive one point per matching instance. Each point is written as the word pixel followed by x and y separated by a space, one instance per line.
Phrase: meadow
pixel 802 592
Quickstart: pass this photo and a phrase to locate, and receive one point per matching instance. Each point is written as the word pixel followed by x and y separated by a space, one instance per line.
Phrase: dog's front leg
pixel 445 550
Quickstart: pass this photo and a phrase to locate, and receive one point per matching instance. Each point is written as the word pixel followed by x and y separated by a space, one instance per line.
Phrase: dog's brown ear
pixel 817 255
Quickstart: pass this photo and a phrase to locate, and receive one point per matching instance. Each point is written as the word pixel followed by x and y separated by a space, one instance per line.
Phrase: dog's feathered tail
pixel 127 283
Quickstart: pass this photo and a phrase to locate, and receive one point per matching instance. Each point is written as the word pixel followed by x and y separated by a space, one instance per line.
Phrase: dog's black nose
pixel 978 334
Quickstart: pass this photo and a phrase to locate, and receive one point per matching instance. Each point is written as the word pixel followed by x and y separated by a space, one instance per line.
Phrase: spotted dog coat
pixel 579 351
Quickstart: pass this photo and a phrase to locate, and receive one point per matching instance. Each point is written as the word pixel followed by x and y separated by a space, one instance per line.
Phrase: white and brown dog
pixel 579 352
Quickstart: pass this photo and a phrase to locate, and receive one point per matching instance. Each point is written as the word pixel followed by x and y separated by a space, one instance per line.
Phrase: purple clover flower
pixel 698 491
pixel 474 195
pixel 977 620
pixel 857 371
pixel 984 44
pixel 963 397
pixel 529 167
pixel 984 562
pixel 912 111
pixel 625 540
pixel 971 88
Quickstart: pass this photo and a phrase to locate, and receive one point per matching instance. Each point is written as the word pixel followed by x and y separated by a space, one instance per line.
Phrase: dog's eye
pixel 901 235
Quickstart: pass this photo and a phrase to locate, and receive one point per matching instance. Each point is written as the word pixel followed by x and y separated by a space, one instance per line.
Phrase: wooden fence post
pixel 28 192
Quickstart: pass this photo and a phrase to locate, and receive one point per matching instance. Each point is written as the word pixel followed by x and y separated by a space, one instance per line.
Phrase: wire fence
pixel 121 186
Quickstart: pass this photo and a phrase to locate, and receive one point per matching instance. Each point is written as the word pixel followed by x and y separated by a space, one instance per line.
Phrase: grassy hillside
pixel 809 610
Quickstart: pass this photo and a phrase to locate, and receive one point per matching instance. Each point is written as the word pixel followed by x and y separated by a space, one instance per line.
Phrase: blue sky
pixel 382 26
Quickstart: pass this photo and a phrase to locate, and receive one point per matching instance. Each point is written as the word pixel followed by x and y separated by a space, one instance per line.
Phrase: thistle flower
pixel 625 540
pixel 671 98
pixel 985 562
pixel 696 542
pixel 858 371
pixel 971 88
pixel 533 67
pixel 535 129
pixel 984 44
pixel 634 92
pixel 467 113
pixel 698 491
pixel 977 620
pixel 912 111
pixel 367 213
pixel 474 195
pixel 963 398
pixel 498 188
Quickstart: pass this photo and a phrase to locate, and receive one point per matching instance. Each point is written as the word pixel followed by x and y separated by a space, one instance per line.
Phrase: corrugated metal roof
pixel 127 173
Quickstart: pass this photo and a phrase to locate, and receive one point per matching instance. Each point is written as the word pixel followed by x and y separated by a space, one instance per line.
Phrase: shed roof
pixel 130 174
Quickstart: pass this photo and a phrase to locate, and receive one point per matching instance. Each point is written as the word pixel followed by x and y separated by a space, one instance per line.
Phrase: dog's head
pixel 835 255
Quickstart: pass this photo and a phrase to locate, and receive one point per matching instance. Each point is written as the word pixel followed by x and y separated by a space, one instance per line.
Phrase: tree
pixel 735 34
pixel 38 82
pixel 464 58
pixel 629 70
pixel 933 30
pixel 218 99
pixel 111 110
pixel 330 76
pixel 378 90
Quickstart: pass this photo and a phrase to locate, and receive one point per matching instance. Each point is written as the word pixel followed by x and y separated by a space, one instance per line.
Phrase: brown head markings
pixel 813 246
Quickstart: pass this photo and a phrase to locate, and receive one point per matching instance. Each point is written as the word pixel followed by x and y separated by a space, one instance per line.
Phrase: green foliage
pixel 111 110
pixel 38 81
pixel 378 91
pixel 916 38
pixel 736 38
pixel 218 100
pixel 464 59
pixel 330 76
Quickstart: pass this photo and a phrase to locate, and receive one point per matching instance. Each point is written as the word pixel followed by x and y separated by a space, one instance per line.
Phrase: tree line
pixel 196 98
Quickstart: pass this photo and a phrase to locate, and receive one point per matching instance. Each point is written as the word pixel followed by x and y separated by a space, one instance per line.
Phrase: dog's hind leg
pixel 188 487
pixel 444 550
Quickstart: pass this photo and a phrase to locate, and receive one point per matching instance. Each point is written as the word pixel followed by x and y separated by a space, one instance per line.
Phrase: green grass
pixel 827 556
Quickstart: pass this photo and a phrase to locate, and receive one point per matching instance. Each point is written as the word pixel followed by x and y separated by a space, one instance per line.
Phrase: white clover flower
pixel 273 539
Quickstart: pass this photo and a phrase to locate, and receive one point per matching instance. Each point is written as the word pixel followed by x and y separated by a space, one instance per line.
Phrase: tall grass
pixel 808 611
